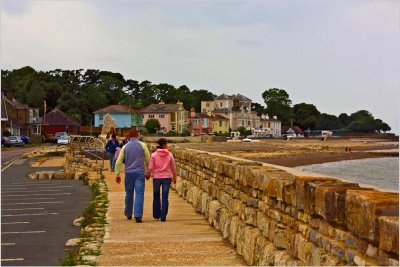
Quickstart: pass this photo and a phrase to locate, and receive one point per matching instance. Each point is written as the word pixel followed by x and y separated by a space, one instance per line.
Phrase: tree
pixel 329 122
pixel 152 125
pixel 306 115
pixel 278 104
pixel 242 130
pixel 344 119
pixel 260 109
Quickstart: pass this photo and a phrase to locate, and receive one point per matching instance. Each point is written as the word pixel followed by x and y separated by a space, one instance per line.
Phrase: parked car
pixel 13 140
pixel 63 140
pixel 25 139
pixel 58 135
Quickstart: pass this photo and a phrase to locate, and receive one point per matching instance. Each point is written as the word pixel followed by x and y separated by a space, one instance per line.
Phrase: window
pixel 207 104
pixel 220 104
pixel 36 129
pixel 204 122
pixel 101 117
pixel 162 116
pixel 220 123
pixel 204 110
pixel 249 123
pixel 196 122
pixel 151 116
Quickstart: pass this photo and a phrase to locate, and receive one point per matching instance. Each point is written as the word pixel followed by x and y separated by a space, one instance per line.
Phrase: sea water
pixel 378 172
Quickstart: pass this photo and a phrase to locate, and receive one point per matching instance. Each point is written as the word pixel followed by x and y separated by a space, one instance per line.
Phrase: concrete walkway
pixel 184 239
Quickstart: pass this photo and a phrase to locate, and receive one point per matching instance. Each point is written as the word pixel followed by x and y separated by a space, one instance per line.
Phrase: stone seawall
pixel 275 218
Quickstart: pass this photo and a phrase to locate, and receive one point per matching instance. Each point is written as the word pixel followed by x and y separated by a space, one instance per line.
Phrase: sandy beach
pixel 299 152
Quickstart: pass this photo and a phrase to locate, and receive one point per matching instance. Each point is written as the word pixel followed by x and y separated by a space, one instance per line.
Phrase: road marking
pixel 29 199
pixel 14 222
pixel 37 195
pixel 15 259
pixel 19 161
pixel 26 209
pixel 11 162
pixel 34 203
pixel 44 187
pixel 32 214
pixel 52 182
pixel 51 190
pixel 26 232
pixel 8 244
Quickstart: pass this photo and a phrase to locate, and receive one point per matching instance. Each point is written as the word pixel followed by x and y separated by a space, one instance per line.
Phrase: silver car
pixel 13 140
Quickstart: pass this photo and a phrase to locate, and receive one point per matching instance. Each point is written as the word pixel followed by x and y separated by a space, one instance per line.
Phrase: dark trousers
pixel 160 205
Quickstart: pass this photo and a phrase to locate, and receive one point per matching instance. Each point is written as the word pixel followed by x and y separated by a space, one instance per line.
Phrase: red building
pixel 200 123
pixel 58 121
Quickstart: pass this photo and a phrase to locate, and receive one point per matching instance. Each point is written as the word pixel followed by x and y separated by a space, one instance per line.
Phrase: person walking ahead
pixel 136 155
pixel 110 148
pixel 162 168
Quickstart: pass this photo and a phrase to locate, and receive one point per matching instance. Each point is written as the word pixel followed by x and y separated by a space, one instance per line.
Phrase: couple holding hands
pixel 161 166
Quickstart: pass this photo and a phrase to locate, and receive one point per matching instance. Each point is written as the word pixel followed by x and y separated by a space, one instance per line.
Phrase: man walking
pixel 136 156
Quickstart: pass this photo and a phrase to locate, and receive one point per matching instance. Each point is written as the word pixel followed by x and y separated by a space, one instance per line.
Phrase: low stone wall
pixel 275 218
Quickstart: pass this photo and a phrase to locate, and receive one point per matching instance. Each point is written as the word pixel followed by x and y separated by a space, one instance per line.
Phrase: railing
pixel 87 145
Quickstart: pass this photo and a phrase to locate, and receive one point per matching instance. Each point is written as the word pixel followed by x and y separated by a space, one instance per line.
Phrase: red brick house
pixel 58 121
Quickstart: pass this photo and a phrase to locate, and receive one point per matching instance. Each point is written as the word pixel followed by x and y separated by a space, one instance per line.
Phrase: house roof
pixel 220 118
pixel 270 119
pixel 228 97
pixel 199 115
pixel 117 109
pixel 4 115
pixel 160 108
pixel 222 110
pixel 15 103
pixel 57 117
pixel 296 129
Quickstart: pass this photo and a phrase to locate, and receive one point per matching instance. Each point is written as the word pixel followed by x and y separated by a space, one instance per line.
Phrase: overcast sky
pixel 341 56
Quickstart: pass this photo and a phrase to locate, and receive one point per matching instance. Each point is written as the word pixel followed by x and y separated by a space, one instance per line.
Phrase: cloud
pixel 341 56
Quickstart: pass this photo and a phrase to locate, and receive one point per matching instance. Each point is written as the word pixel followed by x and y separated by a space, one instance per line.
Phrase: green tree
pixel 278 104
pixel 329 122
pixel 196 96
pixel 260 109
pixel 344 119
pixel 306 116
pixel 242 130
pixel 152 125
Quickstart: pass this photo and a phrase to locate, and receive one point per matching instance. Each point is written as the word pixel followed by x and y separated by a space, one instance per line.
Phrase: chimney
pixel 192 112
pixel 9 94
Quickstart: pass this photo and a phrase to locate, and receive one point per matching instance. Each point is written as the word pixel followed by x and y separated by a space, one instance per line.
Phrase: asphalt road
pixel 8 154
pixel 37 215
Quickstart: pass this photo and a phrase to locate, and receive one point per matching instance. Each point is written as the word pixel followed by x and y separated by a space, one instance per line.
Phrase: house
pixel 220 124
pixel 58 121
pixel 273 125
pixel 21 119
pixel 124 116
pixel 290 130
pixel 236 108
pixel 200 123
pixel 172 117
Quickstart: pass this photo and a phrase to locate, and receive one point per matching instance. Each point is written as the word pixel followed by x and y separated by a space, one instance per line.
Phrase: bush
pixel 93 133
pixel 152 125
pixel 6 133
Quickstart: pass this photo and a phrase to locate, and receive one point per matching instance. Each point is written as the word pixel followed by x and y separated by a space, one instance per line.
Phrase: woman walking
pixel 162 168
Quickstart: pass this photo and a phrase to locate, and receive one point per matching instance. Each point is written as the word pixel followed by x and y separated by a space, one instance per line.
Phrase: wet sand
pixel 301 152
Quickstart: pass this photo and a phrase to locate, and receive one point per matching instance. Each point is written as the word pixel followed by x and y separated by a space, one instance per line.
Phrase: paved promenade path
pixel 184 239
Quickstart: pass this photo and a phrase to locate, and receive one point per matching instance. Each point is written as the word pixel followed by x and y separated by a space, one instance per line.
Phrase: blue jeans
pixel 160 208
pixel 134 183
pixel 112 160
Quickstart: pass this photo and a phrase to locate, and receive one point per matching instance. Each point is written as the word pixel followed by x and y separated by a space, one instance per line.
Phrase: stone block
pixel 263 223
pixel 251 235
pixel 267 258
pixel 330 201
pixel 389 234
pixel 225 222
pixel 249 216
pixel 233 229
pixel 363 209
pixel 301 184
pixel 213 212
